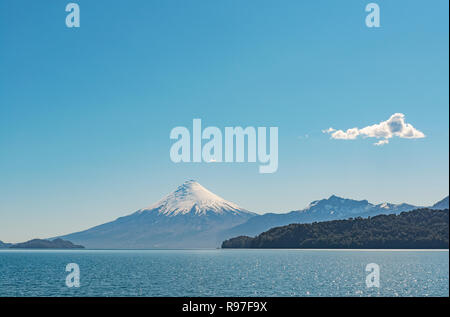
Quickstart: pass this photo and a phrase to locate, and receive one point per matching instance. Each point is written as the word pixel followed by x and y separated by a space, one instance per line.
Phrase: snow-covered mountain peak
pixel 191 197
pixel 385 205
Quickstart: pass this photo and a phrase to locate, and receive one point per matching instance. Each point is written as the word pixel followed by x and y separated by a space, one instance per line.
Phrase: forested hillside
pixel 418 229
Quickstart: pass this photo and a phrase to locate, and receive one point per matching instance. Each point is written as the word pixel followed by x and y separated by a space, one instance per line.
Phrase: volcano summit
pixel 189 217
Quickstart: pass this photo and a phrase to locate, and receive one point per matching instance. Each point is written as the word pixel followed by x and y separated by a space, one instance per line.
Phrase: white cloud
pixel 329 130
pixel 381 142
pixel 394 126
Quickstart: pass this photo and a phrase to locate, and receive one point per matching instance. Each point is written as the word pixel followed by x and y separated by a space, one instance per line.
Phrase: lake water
pixel 224 273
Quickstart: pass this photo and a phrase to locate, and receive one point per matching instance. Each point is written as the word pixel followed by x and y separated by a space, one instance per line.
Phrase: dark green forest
pixel 417 229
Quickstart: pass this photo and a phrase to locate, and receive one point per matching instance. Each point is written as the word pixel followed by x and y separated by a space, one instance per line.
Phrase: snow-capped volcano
pixel 189 217
pixel 191 197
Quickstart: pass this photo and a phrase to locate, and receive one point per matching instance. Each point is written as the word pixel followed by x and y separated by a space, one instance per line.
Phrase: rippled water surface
pixel 224 273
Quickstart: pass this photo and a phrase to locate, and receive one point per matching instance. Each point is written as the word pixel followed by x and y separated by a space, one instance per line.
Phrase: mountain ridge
pixel 193 217
pixel 46 244
pixel 4 245
pixel 332 208
pixel 442 204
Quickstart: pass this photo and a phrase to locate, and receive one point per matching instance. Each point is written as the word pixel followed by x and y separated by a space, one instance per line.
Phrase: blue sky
pixel 85 114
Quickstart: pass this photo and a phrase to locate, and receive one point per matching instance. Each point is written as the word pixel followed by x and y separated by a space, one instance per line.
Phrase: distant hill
pixel 4 245
pixel 418 229
pixel 443 204
pixel 46 244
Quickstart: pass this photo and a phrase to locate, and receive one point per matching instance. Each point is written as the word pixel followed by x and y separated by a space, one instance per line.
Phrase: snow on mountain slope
pixel 191 197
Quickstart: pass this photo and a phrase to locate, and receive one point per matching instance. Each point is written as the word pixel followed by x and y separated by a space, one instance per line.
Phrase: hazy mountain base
pixel 418 229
